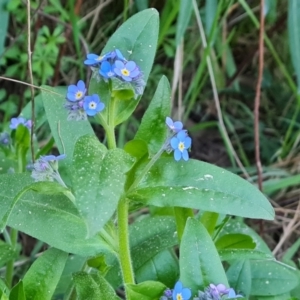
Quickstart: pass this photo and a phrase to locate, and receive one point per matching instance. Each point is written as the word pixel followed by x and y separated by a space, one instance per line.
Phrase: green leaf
pixel 148 290
pixel 202 186
pixel 51 188
pixel 294 36
pixel 185 12
pixel 50 218
pixel 211 7
pixel 73 264
pixel 239 276
pixel 235 241
pixel 235 226
pixel 64 132
pixel 153 129
pixel 163 267
pixel 271 278
pixel 6 253
pixel 93 287
pixel 237 254
pixel 199 261
pixel 136 148
pixel 43 275
pixel 98 181
pixel 17 292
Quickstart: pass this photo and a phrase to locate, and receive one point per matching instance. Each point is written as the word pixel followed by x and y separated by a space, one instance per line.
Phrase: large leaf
pixel 153 129
pixel 199 261
pixel 271 278
pixel 51 218
pixel 41 279
pixel 200 185
pixel 64 132
pixel 294 36
pixel 98 181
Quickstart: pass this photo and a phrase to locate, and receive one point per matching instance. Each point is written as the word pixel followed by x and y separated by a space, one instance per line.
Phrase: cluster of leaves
pixel 215 249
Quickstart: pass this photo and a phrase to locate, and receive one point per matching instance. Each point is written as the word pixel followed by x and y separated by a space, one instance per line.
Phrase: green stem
pixel 124 249
pixel 122 210
pixel 111 138
pixel 10 265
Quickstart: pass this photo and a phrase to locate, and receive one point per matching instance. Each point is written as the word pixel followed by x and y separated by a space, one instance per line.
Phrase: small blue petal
pixel 177 154
pixel 185 155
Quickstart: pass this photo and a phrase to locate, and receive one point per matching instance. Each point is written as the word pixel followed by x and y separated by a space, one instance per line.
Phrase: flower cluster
pixel 114 65
pixel 180 142
pixel 15 122
pixel 212 292
pixel 79 105
pixel 5 139
pixel 46 168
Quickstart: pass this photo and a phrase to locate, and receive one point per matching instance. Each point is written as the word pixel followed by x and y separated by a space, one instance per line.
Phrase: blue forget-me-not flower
pixel 180 144
pixel 92 105
pixel 174 126
pixel 76 92
pixel 180 292
pixel 107 70
pixel 127 71
pixel 94 59
pixel 232 294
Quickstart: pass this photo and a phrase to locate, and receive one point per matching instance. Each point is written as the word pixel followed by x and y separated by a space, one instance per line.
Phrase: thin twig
pixel 288 230
pixel 257 96
pixel 29 53
pixel 215 92
pixel 31 85
pixel 177 79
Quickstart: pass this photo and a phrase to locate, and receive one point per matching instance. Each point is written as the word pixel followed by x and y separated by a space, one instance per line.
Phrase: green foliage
pixel 96 249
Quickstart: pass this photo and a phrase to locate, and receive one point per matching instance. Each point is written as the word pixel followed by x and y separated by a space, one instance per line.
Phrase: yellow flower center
pixel 92 105
pixel 181 146
pixel 78 95
pixel 179 297
pixel 125 72
pixel 100 57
